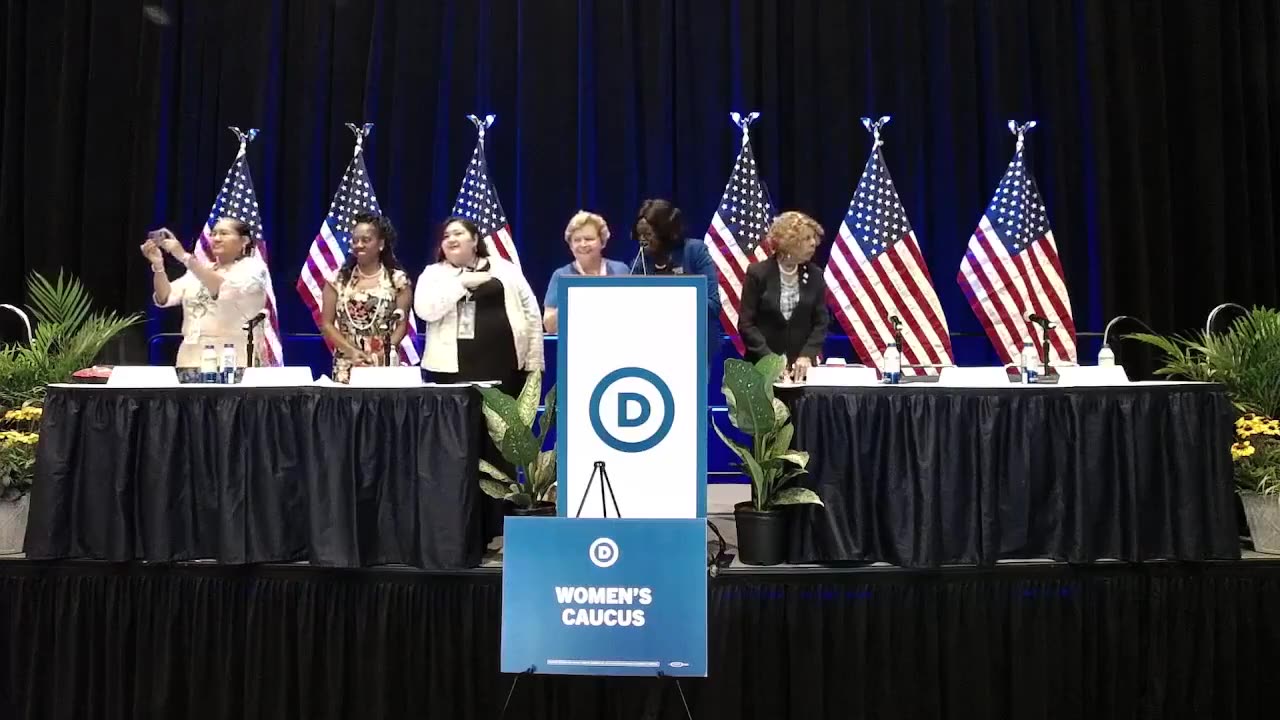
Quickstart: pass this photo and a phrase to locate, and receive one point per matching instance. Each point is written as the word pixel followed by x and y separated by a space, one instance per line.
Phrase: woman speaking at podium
pixel 359 317
pixel 784 298
pixel 217 299
pixel 664 250
pixel 587 234
pixel 482 317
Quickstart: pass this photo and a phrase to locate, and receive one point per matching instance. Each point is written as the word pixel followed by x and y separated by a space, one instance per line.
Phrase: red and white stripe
pixel 501 242
pixel 865 292
pixel 732 264
pixel 1003 290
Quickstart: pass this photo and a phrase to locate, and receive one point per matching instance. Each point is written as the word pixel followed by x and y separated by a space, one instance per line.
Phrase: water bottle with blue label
pixel 209 365
pixel 228 364
pixel 892 370
pixel 1030 363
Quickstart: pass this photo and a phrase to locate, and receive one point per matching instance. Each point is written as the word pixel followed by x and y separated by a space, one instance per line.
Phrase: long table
pixel 334 476
pixel 923 476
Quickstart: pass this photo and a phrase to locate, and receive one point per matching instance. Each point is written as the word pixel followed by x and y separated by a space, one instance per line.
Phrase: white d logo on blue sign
pixel 603 552
pixel 634 410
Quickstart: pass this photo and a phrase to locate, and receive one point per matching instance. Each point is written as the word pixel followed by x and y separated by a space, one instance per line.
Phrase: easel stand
pixel 652 703
pixel 598 469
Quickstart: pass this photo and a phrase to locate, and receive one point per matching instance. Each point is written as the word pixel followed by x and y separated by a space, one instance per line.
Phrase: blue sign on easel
pixel 604 596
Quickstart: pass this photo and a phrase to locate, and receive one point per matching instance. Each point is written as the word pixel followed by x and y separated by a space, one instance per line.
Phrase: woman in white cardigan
pixel 482 318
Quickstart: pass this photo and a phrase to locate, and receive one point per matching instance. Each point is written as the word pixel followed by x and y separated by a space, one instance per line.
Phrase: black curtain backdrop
pixel 1181 641
pixel 1158 148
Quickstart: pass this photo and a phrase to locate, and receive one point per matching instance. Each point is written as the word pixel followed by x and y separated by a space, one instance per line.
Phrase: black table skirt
pixel 340 477
pixel 929 476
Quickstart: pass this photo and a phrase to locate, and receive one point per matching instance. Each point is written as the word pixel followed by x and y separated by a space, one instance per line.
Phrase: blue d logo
pixel 633 409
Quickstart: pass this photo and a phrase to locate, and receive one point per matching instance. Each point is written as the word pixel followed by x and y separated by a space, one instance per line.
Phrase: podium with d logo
pixel 617 584
pixel 632 392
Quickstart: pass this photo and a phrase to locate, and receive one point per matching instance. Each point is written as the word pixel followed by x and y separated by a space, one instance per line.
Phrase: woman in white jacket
pixel 482 318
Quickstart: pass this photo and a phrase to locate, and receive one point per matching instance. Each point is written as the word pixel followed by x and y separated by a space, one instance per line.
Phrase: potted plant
pixel 1246 360
pixel 511 425
pixel 768 461
pixel 68 335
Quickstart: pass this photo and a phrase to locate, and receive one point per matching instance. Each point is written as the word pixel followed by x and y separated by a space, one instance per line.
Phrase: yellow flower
pixel 26 413
pixel 1242 450
pixel 14 436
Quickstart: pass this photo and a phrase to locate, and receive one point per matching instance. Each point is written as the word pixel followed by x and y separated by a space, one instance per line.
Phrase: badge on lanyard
pixel 467 320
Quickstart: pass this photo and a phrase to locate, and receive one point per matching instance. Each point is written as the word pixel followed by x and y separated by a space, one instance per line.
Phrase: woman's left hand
pixel 800 370
pixel 169 243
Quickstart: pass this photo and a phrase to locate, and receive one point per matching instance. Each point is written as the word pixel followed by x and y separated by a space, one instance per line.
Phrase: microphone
pixel 1208 324
pixel 1040 320
pixel 256 320
pixel 1107 356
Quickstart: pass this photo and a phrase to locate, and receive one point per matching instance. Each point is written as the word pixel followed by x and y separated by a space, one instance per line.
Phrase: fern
pixel 68 336
pixel 1245 359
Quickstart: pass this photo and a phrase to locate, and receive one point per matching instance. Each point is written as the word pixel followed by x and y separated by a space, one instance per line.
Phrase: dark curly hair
pixel 382 225
pixel 665 219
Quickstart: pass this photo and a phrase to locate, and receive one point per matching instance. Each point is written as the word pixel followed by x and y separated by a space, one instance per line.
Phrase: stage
pixel 90 639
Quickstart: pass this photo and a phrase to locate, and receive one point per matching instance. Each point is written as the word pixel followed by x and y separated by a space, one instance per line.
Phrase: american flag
pixel 876 271
pixel 236 199
pixel 332 244
pixel 478 200
pixel 736 237
pixel 1012 269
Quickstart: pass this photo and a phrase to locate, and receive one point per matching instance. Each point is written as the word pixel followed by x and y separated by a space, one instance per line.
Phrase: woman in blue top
pixel 586 234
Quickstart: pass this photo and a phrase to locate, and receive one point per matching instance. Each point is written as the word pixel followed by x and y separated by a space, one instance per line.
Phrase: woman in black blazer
pixel 784 298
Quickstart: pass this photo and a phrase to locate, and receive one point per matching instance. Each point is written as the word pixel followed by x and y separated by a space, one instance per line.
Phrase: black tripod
pixel 598 469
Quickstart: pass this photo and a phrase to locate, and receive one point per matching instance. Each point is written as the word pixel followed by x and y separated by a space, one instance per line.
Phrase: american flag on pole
pixel 332 244
pixel 1012 270
pixel 236 199
pixel 478 200
pixel 736 237
pixel 876 272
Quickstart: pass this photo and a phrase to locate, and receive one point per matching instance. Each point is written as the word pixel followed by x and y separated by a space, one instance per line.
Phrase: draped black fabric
pixel 1154 153
pixel 924 476
pixel 89 641
pixel 346 477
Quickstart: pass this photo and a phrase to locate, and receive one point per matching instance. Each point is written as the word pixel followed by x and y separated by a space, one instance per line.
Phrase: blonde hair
pixel 790 228
pixel 582 218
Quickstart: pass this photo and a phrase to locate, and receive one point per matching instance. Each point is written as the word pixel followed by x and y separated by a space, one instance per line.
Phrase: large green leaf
pixel 742 452
pixel 782 440
pixel 514 439
pixel 796 457
pixel 548 419
pixel 527 403
pixel 64 302
pixel 771 367
pixel 542 474
pixel 781 413
pixel 753 411
pixel 492 471
pixel 795 496
pixel 495 489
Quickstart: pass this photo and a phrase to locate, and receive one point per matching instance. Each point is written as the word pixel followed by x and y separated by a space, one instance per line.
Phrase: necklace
pixel 578 266
pixel 376 273
pixel 380 304
pixel 782 268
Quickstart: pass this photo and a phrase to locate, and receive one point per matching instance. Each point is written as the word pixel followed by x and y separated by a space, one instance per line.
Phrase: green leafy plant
pixel 18 440
pixel 1255 455
pixel 1245 358
pixel 68 336
pixel 769 461
pixel 511 425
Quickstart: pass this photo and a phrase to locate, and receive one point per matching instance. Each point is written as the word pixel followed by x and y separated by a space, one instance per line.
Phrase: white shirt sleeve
pixel 437 294
pixel 178 290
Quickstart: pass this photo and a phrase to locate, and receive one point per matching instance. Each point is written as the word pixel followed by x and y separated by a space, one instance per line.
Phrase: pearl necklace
pixel 376 273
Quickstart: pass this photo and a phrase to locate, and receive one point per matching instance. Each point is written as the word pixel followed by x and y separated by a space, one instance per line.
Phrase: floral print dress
pixel 362 314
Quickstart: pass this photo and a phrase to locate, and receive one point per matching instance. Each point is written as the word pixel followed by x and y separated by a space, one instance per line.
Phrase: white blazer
pixel 435 300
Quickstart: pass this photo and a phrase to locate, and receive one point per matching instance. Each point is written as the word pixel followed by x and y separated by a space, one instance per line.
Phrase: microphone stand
pixel 249 327
pixel 1208 324
pixel 1045 327
pixel 897 330
pixel 386 342
pixel 1106 332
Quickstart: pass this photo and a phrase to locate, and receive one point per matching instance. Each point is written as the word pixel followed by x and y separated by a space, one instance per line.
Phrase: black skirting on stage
pixel 925 476
pixel 82 640
pixel 335 476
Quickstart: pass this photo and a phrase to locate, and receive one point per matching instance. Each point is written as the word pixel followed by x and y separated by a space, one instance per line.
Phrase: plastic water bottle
pixel 209 365
pixel 1030 364
pixel 228 364
pixel 1106 358
pixel 892 370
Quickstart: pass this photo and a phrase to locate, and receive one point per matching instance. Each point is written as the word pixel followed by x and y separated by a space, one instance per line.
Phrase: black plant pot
pixel 541 508
pixel 762 535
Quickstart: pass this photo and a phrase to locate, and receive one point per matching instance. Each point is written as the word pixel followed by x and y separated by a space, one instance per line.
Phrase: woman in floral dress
pixel 359 315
